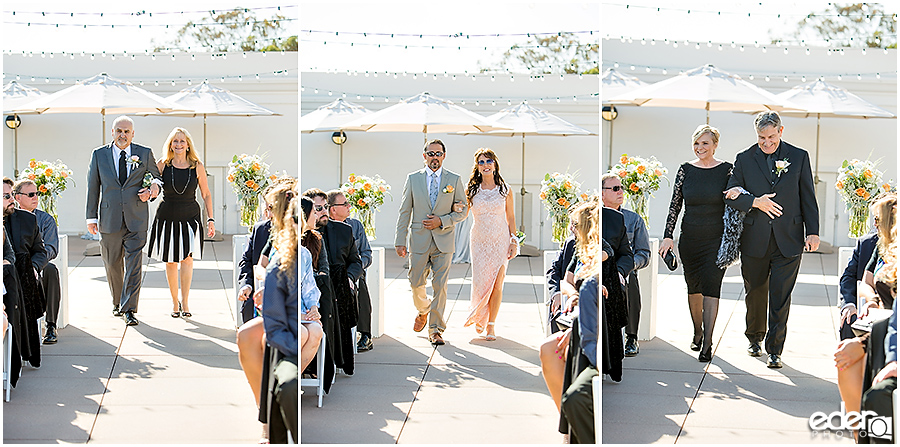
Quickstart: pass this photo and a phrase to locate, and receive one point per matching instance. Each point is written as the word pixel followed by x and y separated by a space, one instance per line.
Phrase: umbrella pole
pixel 522 202
pixel 204 140
pixel 818 127
pixel 16 148
pixel 103 130
pixel 341 171
pixel 707 114
pixel 609 162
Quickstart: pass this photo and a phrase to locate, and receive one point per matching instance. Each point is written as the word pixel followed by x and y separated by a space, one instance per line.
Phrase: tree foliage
pixel 236 30
pixel 851 25
pixel 562 53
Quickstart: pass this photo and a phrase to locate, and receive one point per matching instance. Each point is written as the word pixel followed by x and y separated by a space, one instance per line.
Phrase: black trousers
pixel 578 407
pixel 879 398
pixel 50 281
pixel 364 324
pixel 769 281
pixel 634 305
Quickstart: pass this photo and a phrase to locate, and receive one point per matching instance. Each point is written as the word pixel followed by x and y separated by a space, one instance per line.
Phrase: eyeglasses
pixel 339 204
pixel 489 161
pixel 7 196
pixel 29 194
pixel 615 188
pixel 320 208
pixel 434 154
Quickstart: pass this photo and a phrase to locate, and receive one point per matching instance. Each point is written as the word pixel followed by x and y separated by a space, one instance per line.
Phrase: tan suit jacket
pixel 416 206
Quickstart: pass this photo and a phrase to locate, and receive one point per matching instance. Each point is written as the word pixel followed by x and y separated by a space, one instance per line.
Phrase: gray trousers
pixel 123 258
pixel 50 282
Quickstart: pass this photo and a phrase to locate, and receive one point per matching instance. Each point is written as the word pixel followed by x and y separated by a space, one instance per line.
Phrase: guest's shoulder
pixel 25 216
pixel 140 146
pixel 355 224
pixel 612 214
pixel 451 173
pixel 43 216
pixel 791 147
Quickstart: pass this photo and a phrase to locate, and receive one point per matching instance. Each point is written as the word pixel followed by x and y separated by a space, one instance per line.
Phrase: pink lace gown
pixel 489 242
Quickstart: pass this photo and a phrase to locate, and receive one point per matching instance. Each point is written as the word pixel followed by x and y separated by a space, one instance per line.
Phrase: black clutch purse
pixel 670 261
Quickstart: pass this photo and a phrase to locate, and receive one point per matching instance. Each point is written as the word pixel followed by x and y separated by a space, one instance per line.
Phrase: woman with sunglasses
pixel 492 240
pixel 698 187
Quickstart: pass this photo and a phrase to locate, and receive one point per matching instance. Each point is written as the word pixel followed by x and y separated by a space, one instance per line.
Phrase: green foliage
pixel 562 53
pixel 236 30
pixel 851 25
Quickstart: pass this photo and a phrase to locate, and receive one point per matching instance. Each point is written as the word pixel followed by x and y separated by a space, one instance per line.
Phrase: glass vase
pixel 560 227
pixel 859 221
pixel 640 203
pixel 249 211
pixel 48 204
pixel 367 217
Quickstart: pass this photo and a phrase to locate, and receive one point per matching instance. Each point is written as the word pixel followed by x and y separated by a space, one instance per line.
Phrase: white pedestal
pixel 238 245
pixel 844 255
pixel 549 257
pixel 647 278
pixel 375 281
pixel 62 264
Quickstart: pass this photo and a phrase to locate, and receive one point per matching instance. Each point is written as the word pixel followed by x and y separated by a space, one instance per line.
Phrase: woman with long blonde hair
pixel 176 237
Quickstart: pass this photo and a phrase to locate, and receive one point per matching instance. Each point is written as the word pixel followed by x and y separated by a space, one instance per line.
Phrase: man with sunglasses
pixel 613 196
pixel 339 210
pixel 428 219
pixel 26 194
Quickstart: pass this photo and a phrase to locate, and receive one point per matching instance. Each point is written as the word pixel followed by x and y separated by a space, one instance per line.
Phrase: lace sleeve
pixel 675 205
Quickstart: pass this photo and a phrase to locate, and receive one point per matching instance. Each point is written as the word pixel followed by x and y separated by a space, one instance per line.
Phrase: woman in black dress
pixel 176 236
pixel 699 186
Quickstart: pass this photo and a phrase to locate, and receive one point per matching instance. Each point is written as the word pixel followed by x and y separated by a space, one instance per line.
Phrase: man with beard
pixel 26 194
pixel 345 267
pixel 23 232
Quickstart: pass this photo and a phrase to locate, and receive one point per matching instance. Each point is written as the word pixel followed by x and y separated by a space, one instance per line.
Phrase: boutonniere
pixel 448 189
pixel 148 180
pixel 134 161
pixel 781 166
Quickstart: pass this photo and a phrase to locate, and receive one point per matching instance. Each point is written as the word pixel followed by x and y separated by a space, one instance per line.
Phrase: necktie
pixel 123 169
pixel 434 189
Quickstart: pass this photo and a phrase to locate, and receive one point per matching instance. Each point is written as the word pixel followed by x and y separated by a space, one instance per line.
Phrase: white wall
pixel 393 155
pixel 666 132
pixel 71 137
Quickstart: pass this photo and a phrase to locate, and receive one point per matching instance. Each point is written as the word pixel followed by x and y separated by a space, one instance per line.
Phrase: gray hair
pixel 121 118
pixel 608 176
pixel 768 118
pixel 704 129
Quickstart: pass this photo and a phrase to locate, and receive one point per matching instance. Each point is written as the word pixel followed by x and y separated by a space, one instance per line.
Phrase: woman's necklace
pixel 186 183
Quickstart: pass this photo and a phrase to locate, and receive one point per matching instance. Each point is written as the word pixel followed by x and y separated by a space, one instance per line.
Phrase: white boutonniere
pixel 781 166
pixel 134 162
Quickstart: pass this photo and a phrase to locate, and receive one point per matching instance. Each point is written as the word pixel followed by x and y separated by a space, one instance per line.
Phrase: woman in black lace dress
pixel 700 186
pixel 176 237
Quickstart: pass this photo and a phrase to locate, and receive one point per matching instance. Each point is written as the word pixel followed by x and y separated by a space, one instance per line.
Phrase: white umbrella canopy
pixel 615 83
pixel 104 95
pixel 15 95
pixel 333 117
pixel 706 88
pixel 425 113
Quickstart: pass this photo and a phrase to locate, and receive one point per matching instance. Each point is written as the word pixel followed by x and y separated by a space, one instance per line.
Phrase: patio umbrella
pixel 523 120
pixel 424 113
pixel 101 94
pixel 333 117
pixel 615 83
pixel 706 88
pixel 206 100
pixel 14 95
pixel 821 99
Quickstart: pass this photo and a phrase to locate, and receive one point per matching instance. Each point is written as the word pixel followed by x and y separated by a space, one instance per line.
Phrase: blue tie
pixel 434 189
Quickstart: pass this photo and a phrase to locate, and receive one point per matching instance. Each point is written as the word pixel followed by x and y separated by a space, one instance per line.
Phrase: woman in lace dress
pixel 492 240
pixel 176 237
pixel 699 186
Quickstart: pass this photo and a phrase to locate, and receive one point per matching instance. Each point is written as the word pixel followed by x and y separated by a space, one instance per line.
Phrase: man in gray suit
pixel 427 206
pixel 115 188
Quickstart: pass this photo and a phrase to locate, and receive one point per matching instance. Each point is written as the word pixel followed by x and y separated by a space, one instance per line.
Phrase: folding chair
pixel 7 361
pixel 319 381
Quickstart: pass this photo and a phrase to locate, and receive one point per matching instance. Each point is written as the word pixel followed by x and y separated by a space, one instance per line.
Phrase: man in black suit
pixel 852 275
pixel 782 220
pixel 616 311
pixel 252 253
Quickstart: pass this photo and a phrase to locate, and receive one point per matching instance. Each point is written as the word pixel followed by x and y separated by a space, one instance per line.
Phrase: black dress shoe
pixel 774 361
pixel 117 312
pixel 129 319
pixel 365 343
pixel 50 336
pixel 754 349
pixel 695 344
pixel 632 348
pixel 706 356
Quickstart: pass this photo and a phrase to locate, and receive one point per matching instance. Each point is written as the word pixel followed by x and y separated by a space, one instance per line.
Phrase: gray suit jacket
pixel 416 206
pixel 115 201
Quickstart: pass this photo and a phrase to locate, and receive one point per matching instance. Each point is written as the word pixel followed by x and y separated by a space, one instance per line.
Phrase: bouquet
pixel 51 180
pixel 640 177
pixel 249 176
pixel 558 193
pixel 857 183
pixel 365 195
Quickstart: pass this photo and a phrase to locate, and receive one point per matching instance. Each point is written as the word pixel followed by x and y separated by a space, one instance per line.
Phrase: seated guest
pixel 14 305
pixel 258 239
pixel 882 367
pixel 26 194
pixel 311 329
pixel 868 291
pixel 555 275
pixel 280 317
pixel 852 275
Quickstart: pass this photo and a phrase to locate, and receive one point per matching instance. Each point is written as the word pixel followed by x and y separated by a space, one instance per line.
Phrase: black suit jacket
pixel 856 267
pixel 793 190
pixel 258 239
pixel 338 238
pixel 557 270
pixel 615 234
pixel 25 236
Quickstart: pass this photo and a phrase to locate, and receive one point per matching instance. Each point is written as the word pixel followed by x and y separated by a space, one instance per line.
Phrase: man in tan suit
pixel 427 208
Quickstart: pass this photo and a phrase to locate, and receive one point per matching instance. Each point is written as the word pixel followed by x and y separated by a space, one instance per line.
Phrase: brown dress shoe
pixel 420 322
pixel 436 339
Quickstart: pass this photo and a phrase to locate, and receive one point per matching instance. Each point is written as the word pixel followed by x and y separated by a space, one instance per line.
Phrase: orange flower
pixel 641 169
pixel 255 166
pixel 367 186
pixel 32 164
pixel 43 188
pixel 584 196
pixel 449 189
pixel 860 192
pixel 543 195
pixel 624 159
pixel 351 179
pixel 839 185
pixel 634 187
pixel 64 174
pixel 867 173
pixel 231 178
pixel 886 187
pixel 567 185
pixel 31 177
pixel 351 191
pixel 272 177
pixel 250 183
pixel 630 159
pixel 658 172
pixel 562 201
pixel 382 188
pixel 48 172
pixel 623 173
pixel 361 203
pixel 866 196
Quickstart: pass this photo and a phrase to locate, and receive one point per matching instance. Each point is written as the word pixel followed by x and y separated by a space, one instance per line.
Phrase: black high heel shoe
pixel 706 356
pixel 177 313
pixel 695 344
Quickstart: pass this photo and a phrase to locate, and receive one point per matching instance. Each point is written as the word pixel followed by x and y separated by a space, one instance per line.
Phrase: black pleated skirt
pixel 176 232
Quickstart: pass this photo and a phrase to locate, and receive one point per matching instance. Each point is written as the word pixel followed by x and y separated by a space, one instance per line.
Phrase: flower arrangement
pixel 558 193
pixel 857 183
pixel 365 195
pixel 249 176
pixel 51 180
pixel 640 177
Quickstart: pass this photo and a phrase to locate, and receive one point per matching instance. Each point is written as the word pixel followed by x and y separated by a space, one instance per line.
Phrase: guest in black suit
pixel 556 274
pixel 616 313
pixel 14 308
pixel 782 220
pixel 258 239
pixel 31 258
pixel 853 273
